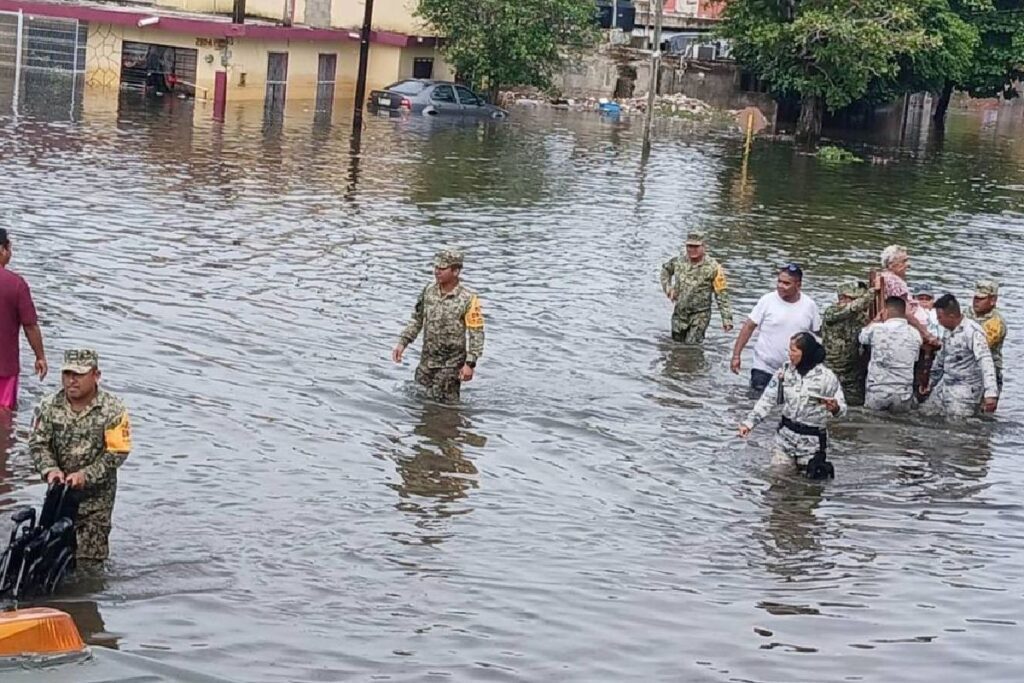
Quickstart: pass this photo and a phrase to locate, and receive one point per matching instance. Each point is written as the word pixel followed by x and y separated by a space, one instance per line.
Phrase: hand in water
pixel 744 431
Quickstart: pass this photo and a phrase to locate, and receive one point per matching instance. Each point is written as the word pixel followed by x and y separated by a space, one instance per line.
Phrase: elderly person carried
pixel 895 262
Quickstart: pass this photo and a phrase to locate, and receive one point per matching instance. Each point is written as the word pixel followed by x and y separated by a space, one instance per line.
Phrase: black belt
pixel 817 467
pixel 806 430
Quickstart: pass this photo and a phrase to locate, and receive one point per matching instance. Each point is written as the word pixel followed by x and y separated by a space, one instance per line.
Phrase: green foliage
pixel 844 51
pixel 837 155
pixel 511 42
pixel 999 57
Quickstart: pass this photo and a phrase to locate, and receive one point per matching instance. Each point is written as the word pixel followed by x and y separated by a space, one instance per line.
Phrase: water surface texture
pixel 294 511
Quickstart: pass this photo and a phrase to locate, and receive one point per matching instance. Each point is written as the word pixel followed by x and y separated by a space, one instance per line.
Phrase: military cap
pixel 80 361
pixel 695 239
pixel 851 289
pixel 985 288
pixel 925 290
pixel 447 258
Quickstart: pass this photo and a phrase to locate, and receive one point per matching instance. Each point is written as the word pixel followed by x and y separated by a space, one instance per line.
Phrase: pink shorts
pixel 9 392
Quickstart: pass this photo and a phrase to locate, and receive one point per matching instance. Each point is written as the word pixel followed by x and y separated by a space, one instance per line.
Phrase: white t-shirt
pixel 777 321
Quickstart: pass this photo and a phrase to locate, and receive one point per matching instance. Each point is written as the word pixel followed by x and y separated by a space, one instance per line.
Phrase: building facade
pixel 284 50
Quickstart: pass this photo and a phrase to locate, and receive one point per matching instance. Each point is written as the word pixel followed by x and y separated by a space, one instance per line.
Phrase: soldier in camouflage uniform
pixel 841 324
pixel 963 377
pixel 690 280
pixel 983 311
pixel 809 393
pixel 80 436
pixel 895 346
pixel 447 312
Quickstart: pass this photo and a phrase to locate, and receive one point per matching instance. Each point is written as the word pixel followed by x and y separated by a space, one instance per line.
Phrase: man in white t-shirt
pixel 777 317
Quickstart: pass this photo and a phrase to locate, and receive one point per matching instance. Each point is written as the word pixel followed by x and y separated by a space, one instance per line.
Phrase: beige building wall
pixel 247 62
pixel 398 16
pixel 442 71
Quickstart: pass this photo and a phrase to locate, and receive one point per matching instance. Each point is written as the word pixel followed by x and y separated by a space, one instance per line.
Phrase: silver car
pixel 431 98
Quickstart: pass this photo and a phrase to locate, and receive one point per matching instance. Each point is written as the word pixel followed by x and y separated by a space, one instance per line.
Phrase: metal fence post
pixel 17 61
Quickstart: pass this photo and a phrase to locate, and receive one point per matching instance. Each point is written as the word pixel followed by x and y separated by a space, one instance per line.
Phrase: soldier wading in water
pixel 689 281
pixel 447 312
pixel 809 394
pixel 80 436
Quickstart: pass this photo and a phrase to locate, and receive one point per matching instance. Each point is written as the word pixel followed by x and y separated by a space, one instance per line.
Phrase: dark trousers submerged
pixel 442 384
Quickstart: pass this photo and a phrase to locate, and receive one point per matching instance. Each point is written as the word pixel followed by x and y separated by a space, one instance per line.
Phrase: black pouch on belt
pixel 817 467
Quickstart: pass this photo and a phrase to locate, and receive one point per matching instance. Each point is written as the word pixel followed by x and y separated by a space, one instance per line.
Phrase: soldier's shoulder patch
pixel 721 283
pixel 474 313
pixel 118 437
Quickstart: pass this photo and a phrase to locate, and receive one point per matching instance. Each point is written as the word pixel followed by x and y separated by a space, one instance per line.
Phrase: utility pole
pixel 652 92
pixel 364 58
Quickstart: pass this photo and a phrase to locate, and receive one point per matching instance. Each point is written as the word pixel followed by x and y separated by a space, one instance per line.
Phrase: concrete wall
pixel 622 73
pixel 442 71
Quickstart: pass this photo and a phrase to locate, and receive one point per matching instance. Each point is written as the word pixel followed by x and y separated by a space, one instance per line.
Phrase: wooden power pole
pixel 364 58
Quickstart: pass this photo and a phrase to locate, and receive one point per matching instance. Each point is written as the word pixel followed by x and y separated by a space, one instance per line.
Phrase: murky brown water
pixel 294 512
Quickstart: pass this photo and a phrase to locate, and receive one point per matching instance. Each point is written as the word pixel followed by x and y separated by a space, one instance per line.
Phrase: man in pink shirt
pixel 17 312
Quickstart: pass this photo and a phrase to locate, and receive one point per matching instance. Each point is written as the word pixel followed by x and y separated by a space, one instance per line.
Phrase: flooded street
pixel 294 511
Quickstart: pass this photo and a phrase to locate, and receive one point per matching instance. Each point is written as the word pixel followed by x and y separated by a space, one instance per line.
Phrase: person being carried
pixel 841 324
pixel 925 298
pixel 964 375
pixel 810 394
pixel 895 346
pixel 983 311
pixel 447 312
pixel 689 281
pixel 80 436
pixel 777 317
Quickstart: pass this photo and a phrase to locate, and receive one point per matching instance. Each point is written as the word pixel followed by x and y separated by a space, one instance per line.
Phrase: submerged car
pixel 431 98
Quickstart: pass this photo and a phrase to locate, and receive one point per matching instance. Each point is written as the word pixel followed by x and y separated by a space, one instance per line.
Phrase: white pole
pixel 17 61
pixel 652 91
pixel 74 71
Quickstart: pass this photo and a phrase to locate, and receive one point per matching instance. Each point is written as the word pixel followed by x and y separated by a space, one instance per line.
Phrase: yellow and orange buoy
pixel 38 632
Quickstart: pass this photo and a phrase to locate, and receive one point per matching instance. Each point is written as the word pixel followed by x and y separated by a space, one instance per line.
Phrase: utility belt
pixel 817 467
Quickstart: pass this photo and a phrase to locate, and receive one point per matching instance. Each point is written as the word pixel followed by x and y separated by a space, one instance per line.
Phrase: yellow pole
pixel 750 132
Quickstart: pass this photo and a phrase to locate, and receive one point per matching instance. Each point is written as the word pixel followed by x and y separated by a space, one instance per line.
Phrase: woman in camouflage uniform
pixel 809 394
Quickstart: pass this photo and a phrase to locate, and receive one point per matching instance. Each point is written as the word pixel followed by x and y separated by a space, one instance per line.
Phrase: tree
pixel 998 59
pixel 494 43
pixel 830 53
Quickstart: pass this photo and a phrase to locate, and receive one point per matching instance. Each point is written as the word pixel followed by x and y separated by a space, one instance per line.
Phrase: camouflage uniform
pixel 694 285
pixel 840 326
pixel 993 325
pixel 895 346
pixel 799 406
pixel 446 320
pixel 963 372
pixel 95 441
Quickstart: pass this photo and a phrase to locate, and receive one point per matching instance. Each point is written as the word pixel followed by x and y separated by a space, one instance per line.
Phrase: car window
pixel 407 87
pixel 467 97
pixel 443 93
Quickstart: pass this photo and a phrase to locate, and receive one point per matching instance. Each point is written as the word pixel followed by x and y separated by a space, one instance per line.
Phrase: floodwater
pixel 294 511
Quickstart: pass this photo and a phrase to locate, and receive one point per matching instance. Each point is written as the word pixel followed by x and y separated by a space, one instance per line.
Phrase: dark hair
pixel 896 304
pixel 5 240
pixel 948 304
pixel 793 269
pixel 813 351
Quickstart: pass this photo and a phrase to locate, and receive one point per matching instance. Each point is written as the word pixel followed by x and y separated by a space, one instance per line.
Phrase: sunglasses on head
pixel 792 268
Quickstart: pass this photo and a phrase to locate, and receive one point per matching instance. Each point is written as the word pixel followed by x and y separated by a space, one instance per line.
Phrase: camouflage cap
pixel 851 289
pixel 447 258
pixel 985 288
pixel 925 290
pixel 695 239
pixel 80 361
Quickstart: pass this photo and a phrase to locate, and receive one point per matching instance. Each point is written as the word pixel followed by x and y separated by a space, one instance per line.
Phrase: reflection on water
pixel 293 511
